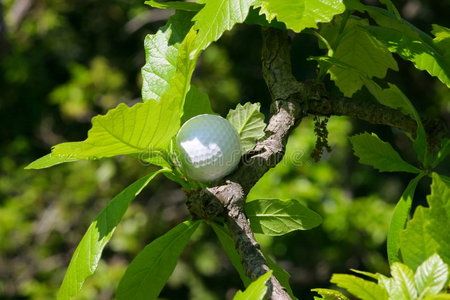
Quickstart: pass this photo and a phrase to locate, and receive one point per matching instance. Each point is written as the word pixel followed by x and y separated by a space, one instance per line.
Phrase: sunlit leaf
pixel 425 233
pixel 442 39
pixel 301 14
pixel 180 5
pixel 404 279
pixel 431 276
pixel 411 44
pixel 359 287
pixel 438 297
pixel 439 212
pixel 162 52
pixel 327 294
pixel 127 130
pixel 386 19
pixel 254 17
pixel 216 17
pixel 49 160
pixel 393 289
pixel 249 123
pixel 157 158
pixel 398 220
pixel 256 290
pixel 362 52
pixel 368 274
pixel 416 243
pixel 144 127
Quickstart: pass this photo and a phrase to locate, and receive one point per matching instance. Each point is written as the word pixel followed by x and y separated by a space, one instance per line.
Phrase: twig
pixel 228 199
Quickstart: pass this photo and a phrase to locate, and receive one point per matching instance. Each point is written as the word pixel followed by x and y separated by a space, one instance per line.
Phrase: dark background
pixel 63 62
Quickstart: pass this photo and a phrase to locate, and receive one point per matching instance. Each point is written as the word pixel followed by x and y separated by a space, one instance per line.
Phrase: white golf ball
pixel 208 147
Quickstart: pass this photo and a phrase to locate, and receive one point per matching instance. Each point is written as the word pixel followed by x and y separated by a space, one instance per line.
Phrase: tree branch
pixel 291 101
pixel 228 198
pixel 371 112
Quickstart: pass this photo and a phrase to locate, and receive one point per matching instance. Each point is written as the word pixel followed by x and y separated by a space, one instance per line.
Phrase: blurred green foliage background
pixel 63 62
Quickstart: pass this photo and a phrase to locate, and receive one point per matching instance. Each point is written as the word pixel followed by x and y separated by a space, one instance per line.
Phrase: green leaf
pixel 126 130
pixel 439 297
pixel 424 56
pixel 354 5
pixel 404 279
pixel 157 158
pixel 329 294
pixel 254 17
pixel 149 271
pixel 88 252
pixel 249 123
pixel 301 14
pixel 228 245
pixel 372 151
pixel 439 214
pixel 442 153
pixel 216 17
pixel 445 179
pixel 425 233
pixel 426 53
pixel 49 160
pixel 391 8
pixel 281 275
pixel 196 103
pixel 431 276
pixel 399 218
pixel 275 217
pixel 394 97
pixel 442 39
pixel 416 243
pixel 440 195
pixel 186 6
pixel 362 52
pixel 144 127
pixel 386 19
pixel 256 290
pixel 162 53
pixel 363 289
pixel 393 289
pixel 331 32
pixel 368 274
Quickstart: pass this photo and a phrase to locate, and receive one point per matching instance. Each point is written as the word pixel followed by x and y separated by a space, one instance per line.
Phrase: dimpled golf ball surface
pixel 209 147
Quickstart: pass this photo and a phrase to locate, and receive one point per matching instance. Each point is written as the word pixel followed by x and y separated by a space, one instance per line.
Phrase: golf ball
pixel 208 147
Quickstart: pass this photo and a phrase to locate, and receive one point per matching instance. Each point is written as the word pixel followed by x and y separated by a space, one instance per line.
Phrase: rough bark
pixel 228 199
